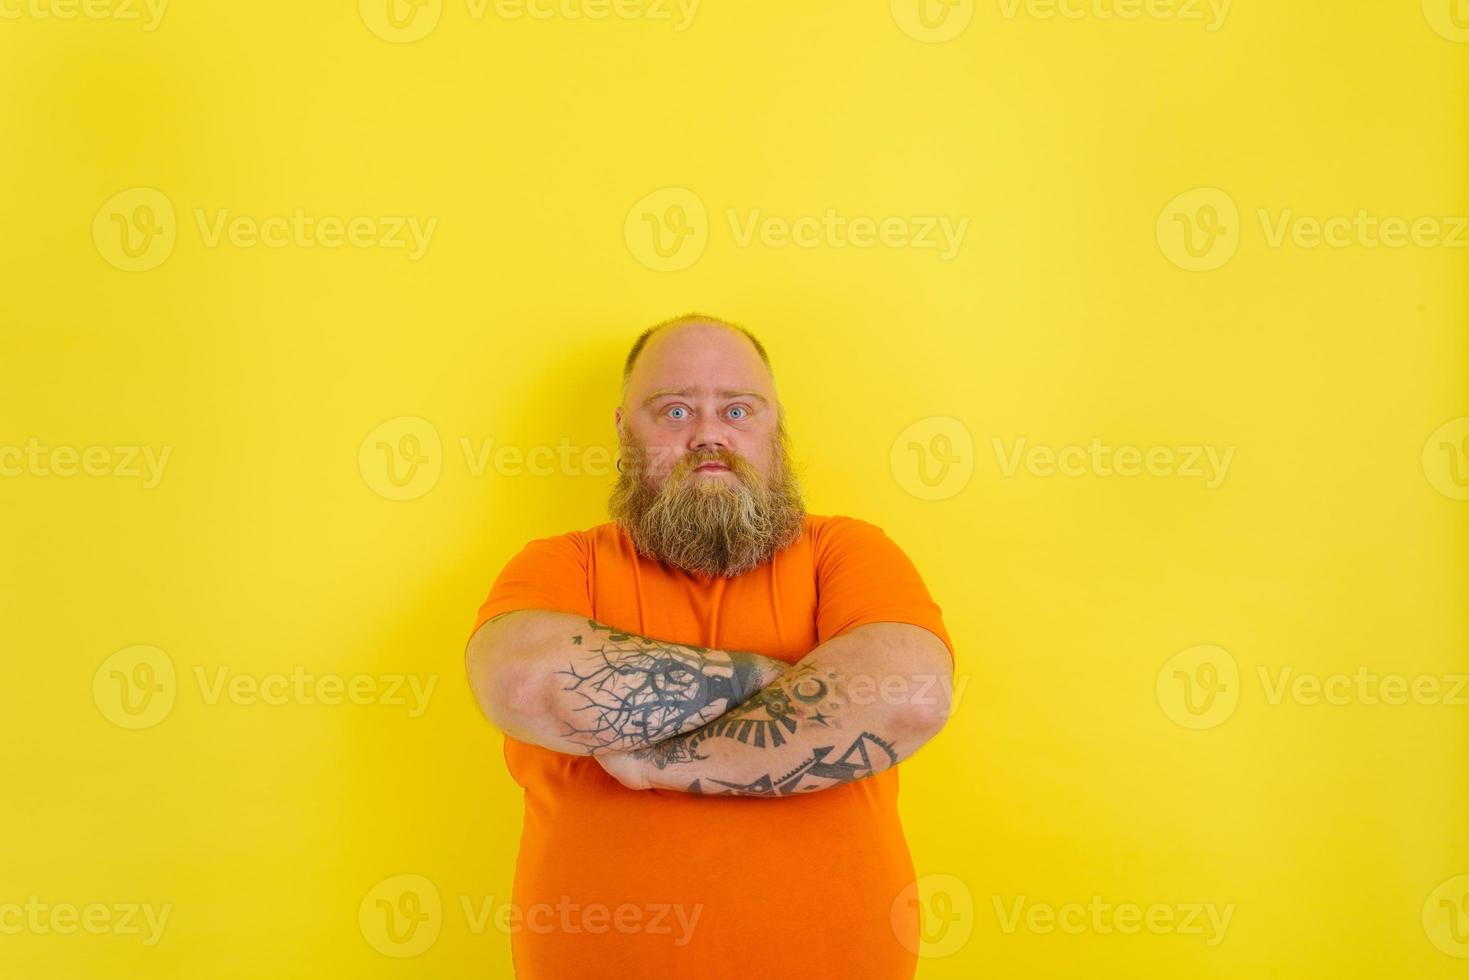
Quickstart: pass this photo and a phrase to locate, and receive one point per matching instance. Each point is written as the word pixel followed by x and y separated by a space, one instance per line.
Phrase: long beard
pixel 709 525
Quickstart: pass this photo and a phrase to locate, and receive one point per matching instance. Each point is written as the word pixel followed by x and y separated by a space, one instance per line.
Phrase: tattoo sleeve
pixel 812 729
pixel 620 691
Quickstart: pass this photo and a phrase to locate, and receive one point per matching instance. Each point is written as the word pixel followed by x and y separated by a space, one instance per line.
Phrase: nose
pixel 708 438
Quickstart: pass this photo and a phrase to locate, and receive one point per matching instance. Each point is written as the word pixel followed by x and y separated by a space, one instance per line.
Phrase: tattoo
pixel 764 720
pixel 805 698
pixel 815 774
pixel 639 691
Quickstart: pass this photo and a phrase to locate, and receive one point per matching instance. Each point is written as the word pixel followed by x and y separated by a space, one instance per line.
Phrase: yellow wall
pixel 1136 267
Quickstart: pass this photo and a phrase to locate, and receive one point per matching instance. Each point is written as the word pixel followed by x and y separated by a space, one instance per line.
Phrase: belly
pixel 615 882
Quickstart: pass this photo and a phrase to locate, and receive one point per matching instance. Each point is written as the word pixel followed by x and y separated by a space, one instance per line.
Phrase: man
pixel 705 699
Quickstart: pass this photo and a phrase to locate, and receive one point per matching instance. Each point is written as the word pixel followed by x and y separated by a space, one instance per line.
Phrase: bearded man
pixel 705 700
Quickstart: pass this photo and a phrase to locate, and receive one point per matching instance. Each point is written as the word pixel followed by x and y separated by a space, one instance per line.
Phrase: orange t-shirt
pixel 613 882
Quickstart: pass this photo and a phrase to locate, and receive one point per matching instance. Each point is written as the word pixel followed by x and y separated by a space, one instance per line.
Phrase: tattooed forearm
pixel 630 692
pixel 799 719
pixel 765 719
pixel 576 685
pixel 827 766
pixel 811 730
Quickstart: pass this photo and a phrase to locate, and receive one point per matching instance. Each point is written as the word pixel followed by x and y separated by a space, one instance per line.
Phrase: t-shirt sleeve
pixel 548 573
pixel 863 577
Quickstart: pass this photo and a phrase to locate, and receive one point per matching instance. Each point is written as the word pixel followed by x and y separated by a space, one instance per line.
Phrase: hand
pixel 626 768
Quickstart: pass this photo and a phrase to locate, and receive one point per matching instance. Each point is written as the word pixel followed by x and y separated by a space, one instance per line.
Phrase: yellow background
pixel 1336 539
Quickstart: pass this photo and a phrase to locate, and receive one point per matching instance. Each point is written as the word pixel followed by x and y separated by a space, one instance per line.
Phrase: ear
pixel 617 417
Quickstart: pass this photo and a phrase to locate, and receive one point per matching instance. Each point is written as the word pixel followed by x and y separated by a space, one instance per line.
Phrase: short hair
pixel 642 341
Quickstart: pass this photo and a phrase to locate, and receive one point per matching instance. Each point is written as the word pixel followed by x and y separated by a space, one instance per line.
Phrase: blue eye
pixel 676 408
pixel 740 409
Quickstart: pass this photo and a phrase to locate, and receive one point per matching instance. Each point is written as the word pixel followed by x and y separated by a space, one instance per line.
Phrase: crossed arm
pixel 661 715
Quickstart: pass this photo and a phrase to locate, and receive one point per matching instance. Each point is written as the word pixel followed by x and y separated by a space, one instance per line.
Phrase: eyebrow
pixel 722 393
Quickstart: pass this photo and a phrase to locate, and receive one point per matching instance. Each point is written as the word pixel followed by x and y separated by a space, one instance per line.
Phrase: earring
pixel 619 464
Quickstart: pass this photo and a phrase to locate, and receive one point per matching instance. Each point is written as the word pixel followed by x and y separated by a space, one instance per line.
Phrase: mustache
pixel 691 461
pixel 684 463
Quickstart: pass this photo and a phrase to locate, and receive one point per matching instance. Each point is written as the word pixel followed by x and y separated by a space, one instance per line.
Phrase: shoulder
pixel 574 545
pixel 838 527
pixel 606 541
pixel 839 534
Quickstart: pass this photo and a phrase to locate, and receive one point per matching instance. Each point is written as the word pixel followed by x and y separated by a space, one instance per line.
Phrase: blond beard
pixel 714 526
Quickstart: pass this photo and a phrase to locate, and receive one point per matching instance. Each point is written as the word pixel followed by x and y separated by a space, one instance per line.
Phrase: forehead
pixel 698 355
